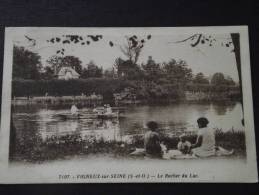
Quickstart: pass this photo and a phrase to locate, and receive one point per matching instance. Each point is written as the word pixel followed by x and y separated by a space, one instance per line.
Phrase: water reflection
pixel 34 122
pixel 221 108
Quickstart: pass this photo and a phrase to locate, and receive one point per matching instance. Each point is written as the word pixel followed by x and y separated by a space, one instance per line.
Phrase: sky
pixel 161 47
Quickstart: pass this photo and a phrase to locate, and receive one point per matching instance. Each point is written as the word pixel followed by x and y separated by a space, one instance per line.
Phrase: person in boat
pixel 93 96
pixel 152 141
pixel 74 110
pixel 108 109
pixel 99 110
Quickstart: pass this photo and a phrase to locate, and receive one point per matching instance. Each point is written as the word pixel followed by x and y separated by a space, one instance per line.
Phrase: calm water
pixel 174 118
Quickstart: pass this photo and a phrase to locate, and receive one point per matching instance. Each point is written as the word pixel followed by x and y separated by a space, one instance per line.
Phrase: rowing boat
pixel 67 116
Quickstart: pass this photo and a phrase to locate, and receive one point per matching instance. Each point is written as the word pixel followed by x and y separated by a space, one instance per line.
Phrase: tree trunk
pixel 236 42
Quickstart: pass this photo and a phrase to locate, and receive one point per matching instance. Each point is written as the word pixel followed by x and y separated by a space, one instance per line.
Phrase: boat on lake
pixel 68 116
pixel 88 115
pixel 108 116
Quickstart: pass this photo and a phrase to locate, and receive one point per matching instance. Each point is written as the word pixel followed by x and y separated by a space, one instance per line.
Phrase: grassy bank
pixel 71 145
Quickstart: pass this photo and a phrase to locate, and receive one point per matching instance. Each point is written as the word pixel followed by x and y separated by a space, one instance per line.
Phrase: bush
pixel 143 90
pixel 103 86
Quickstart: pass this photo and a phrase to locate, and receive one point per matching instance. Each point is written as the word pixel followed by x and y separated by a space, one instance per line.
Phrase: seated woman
pixel 152 147
pixel 152 141
pixel 205 143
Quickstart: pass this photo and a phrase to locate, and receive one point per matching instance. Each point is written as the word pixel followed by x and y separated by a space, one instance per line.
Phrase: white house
pixel 67 73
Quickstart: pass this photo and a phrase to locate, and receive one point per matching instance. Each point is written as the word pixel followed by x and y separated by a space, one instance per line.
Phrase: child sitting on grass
pixel 183 150
pixel 184 146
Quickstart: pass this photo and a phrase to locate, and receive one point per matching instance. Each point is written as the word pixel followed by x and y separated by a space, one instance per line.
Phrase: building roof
pixel 64 70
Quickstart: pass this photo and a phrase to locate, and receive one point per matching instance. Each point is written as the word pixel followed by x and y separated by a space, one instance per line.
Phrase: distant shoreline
pixel 88 101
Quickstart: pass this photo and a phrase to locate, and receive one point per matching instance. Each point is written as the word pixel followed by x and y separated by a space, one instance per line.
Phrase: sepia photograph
pixel 127 104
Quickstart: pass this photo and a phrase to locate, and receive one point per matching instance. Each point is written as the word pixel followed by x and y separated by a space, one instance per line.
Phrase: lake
pixel 35 121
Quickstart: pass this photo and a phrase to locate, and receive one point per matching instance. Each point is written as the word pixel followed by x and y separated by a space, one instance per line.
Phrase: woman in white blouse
pixel 205 143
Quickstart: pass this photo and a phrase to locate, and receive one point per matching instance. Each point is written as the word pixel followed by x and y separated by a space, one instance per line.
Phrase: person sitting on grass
pixel 184 146
pixel 152 141
pixel 183 150
pixel 205 145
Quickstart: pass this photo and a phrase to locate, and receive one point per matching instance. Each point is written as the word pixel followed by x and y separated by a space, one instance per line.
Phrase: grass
pixel 74 144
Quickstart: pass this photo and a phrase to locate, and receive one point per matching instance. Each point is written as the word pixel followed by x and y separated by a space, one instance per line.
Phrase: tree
pixel 26 64
pixel 109 73
pixel 218 79
pixel 177 72
pixel 152 70
pixel 92 70
pixel 197 39
pixel 73 62
pixel 48 73
pixel 129 70
pixel 235 39
pixel 229 81
pixel 55 63
pixel 133 48
pixel 118 66
pixel 200 79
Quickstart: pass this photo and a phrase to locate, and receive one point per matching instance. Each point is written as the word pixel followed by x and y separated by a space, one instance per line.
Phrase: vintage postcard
pixel 122 105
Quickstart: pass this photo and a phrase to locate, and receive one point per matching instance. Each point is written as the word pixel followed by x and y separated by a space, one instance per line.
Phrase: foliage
pixel 177 71
pixel 73 39
pixel 200 79
pixel 229 81
pixel 128 70
pixel 55 87
pixel 133 47
pixel 172 72
pixel 26 64
pixel 72 62
pixel 117 66
pixel 219 79
pixel 144 91
pixel 150 81
pixel 48 73
pixel 31 147
pixel 152 70
pixel 234 41
pixel 109 73
pixel 92 70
